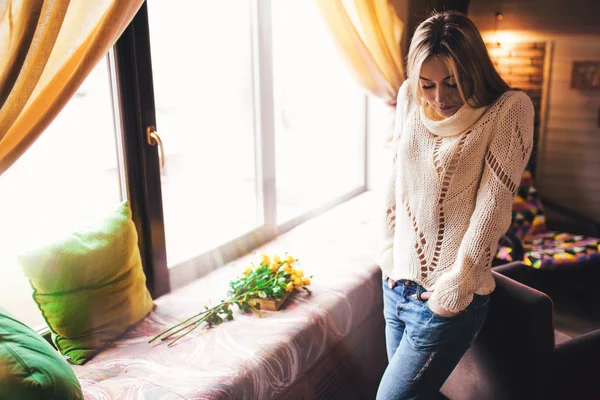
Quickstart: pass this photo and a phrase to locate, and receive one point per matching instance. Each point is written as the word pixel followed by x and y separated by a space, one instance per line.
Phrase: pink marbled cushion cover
pixel 250 357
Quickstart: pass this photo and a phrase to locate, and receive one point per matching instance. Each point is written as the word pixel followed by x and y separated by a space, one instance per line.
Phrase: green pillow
pixel 90 286
pixel 30 369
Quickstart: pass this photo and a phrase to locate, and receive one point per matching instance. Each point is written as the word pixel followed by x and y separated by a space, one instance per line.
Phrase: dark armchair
pixel 519 355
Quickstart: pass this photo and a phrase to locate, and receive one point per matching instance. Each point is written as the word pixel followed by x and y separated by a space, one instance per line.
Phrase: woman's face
pixel 439 87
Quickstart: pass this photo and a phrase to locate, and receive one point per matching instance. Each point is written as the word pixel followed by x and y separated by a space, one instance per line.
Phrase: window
pixel 67 179
pixel 203 86
pixel 242 92
pixel 319 113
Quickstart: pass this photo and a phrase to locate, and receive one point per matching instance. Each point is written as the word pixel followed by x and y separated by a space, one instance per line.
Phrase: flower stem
pixel 182 322
pixel 206 314
pixel 193 326
pixel 181 336
pixel 210 312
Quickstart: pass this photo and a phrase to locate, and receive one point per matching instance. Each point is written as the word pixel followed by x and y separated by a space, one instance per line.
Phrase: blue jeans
pixel 423 347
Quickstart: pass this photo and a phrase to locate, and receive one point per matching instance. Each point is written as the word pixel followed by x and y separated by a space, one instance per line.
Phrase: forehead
pixel 434 69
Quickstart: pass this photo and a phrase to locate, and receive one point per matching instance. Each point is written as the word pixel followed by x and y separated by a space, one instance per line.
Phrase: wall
pixel 562 17
pixel 522 67
pixel 568 163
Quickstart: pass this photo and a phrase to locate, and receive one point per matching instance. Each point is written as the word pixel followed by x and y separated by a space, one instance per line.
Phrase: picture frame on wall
pixel 586 75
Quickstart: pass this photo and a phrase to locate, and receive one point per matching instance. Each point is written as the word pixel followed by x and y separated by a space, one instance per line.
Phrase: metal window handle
pixel 153 140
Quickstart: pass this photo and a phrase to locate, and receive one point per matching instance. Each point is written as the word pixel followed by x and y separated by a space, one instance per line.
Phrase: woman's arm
pixel 505 161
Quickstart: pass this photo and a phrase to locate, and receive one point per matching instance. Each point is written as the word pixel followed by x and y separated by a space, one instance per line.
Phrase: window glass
pixel 203 85
pixel 68 179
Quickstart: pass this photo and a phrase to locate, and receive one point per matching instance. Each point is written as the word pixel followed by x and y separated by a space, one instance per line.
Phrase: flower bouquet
pixel 263 286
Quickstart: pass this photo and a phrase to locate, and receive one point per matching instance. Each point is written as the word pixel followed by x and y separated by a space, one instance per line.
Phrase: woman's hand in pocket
pixel 434 306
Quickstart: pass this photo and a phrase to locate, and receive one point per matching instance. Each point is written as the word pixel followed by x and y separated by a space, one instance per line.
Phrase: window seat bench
pixel 329 344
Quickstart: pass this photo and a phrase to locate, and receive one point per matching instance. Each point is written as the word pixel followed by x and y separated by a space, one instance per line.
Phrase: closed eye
pixel 454 86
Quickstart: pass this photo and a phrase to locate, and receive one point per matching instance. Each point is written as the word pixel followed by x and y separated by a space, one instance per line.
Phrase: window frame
pixel 134 85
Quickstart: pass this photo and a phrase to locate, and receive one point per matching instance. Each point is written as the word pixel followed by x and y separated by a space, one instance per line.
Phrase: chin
pixel 447 113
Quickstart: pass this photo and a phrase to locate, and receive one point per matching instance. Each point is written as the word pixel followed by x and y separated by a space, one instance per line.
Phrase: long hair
pixel 455 40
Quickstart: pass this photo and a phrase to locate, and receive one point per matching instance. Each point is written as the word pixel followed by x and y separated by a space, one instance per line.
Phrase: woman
pixel 462 141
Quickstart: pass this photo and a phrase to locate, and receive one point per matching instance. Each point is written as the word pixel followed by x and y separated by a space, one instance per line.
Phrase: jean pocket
pixel 432 331
pixel 442 317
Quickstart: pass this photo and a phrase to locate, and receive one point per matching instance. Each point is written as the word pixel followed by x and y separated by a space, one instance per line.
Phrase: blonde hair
pixel 455 40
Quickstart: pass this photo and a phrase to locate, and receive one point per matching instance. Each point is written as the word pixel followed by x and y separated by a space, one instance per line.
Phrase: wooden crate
pixel 272 304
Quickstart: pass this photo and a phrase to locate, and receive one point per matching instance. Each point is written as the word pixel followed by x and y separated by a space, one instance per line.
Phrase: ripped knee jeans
pixel 423 347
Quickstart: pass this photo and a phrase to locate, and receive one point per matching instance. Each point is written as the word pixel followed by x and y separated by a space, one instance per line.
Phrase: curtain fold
pixel 47 49
pixel 368 33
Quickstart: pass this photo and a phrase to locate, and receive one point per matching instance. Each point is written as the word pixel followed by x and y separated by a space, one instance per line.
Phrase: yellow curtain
pixel 368 33
pixel 47 48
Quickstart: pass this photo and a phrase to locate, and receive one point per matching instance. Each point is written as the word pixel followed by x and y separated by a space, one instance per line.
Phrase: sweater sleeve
pixel 385 253
pixel 505 161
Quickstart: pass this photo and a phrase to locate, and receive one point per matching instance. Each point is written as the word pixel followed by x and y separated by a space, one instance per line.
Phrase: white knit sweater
pixel 451 193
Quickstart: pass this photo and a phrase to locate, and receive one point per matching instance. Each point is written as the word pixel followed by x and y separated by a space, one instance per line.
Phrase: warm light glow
pixel 504 38
pixel 507 37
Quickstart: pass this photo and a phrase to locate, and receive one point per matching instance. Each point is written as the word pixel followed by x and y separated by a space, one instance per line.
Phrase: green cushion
pixel 30 369
pixel 90 286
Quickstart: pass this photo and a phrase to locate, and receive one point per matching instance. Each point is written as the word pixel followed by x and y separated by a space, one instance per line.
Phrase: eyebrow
pixel 448 77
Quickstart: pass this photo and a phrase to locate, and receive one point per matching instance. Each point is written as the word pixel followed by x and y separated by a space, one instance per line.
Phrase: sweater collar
pixel 462 120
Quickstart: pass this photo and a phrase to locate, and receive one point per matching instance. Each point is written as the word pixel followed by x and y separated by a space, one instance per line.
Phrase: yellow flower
pixel 290 260
pixel 289 287
pixel 247 271
pixel 306 281
pixel 287 269
pixel 276 258
pixel 298 272
pixel 297 281
pixel 264 259
pixel 274 266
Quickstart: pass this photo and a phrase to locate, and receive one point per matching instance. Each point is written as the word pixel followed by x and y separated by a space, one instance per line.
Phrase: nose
pixel 440 94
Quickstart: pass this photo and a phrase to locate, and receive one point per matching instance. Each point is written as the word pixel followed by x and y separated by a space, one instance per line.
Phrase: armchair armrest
pixel 529 311
pixel 510 357
pixel 575 215
pixel 583 350
pixel 515 271
pixel 521 333
pixel 575 371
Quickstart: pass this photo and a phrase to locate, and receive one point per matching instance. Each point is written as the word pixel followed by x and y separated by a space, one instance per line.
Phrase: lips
pixel 445 108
